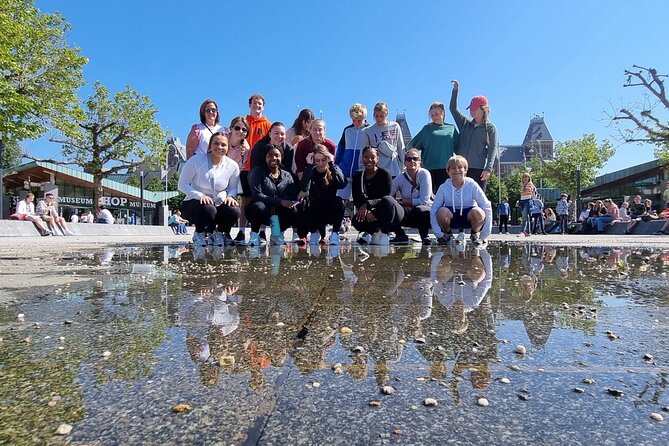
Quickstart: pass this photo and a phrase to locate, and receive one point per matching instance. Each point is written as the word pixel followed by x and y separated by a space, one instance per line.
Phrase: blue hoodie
pixel 348 150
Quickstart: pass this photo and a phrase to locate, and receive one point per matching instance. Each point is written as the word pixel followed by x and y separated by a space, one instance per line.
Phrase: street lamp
pixel 141 196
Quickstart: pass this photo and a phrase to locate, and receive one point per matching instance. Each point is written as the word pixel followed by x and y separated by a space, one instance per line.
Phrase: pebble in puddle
pixel 388 390
pixel 520 349
pixel 430 402
pixel 483 402
pixel 656 416
pixel 63 429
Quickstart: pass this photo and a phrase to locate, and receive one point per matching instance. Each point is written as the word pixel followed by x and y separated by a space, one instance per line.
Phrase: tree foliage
pixel 579 154
pixel 39 72
pixel 646 121
pixel 110 134
pixel 11 154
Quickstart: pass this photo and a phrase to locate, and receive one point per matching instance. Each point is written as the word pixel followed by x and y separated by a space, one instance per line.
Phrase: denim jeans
pixel 525 211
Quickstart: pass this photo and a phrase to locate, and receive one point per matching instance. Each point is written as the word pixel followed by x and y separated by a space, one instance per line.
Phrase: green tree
pixel 39 72
pixel 646 121
pixel 155 185
pixel 110 134
pixel 11 154
pixel 173 185
pixel 583 155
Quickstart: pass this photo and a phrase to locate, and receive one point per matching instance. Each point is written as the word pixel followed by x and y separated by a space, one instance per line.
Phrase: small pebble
pixel 316 384
pixel 588 381
pixel 280 324
pixel 656 416
pixel 375 403
pixel 579 390
pixel 345 331
pixel 665 408
pixel 483 402
pixel 106 354
pixel 358 349
pixel 505 380
pixel 388 390
pixel 414 407
pixel 614 392
pixel 514 367
pixel 63 429
pixel 21 317
pixel 430 402
pixel 523 396
pixel 420 340
pixel 182 408
pixel 648 357
pixel 27 340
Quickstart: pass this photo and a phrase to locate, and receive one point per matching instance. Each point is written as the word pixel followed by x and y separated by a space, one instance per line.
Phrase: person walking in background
pixel 527 191
pixel 199 135
pixel 437 142
pixel 386 136
pixel 478 136
pixel 503 214
pixel 562 211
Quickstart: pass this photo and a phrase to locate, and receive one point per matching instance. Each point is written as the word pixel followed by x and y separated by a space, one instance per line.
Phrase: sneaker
pixel 334 239
pixel 376 238
pixel 476 238
pixel 227 239
pixel 384 239
pixel 460 238
pixel 296 238
pixel 426 241
pixel 263 235
pixel 254 239
pixel 364 239
pixel 315 238
pixel 400 240
pixel 445 239
pixel 301 241
pixel 68 232
pixel 345 225
pixel 198 239
pixel 240 239
pixel 217 239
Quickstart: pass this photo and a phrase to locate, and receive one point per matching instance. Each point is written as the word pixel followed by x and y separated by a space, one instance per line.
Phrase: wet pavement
pixel 275 346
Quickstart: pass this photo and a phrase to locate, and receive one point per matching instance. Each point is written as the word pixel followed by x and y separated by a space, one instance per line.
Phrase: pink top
pixel 613 211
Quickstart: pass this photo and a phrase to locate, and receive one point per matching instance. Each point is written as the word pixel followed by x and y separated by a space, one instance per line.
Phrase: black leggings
pixel 323 212
pixel 418 217
pixel 389 214
pixel 258 214
pixel 207 217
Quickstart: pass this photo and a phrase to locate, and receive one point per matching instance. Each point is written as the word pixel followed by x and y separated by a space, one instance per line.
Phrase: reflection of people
pixel 478 136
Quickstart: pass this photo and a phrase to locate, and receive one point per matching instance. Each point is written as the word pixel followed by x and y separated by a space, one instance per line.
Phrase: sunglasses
pixel 210 110
pixel 411 158
pixel 241 129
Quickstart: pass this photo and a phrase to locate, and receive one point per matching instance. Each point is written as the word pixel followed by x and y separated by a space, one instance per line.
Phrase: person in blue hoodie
pixel 347 156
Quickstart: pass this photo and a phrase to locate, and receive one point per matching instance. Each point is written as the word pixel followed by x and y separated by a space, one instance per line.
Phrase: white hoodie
pixel 470 195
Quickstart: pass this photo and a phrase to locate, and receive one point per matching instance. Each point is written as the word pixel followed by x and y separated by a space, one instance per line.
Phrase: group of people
pixel 259 174
pixel 600 213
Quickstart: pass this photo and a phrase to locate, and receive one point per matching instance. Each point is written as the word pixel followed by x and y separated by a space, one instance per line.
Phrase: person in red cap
pixel 478 136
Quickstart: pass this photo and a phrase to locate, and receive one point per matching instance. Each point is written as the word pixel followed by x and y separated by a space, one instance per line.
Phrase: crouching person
pixel 210 181
pixel 274 201
pixel 415 188
pixel 460 203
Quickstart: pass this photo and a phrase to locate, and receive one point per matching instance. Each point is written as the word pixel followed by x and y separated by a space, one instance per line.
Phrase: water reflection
pixel 248 315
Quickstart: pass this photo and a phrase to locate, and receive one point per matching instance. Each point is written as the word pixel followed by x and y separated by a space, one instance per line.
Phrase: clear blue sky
pixel 564 59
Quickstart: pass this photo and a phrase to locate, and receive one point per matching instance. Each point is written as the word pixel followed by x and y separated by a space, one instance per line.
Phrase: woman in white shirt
pixel 210 182
pixel 200 134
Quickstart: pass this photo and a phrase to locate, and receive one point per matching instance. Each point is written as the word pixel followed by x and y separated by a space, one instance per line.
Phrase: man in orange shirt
pixel 258 128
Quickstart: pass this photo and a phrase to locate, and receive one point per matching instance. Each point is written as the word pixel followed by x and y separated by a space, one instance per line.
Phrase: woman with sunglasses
pixel 377 213
pixel 320 182
pixel 239 146
pixel 274 194
pixel 415 188
pixel 437 142
pixel 210 183
pixel 199 135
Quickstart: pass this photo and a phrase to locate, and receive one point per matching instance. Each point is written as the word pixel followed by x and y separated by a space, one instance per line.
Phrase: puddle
pixel 273 345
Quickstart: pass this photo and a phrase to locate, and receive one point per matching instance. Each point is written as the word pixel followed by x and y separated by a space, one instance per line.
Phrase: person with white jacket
pixel 460 203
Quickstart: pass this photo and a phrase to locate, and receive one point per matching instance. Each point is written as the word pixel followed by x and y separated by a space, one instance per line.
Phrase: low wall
pixel 641 228
pixel 15 228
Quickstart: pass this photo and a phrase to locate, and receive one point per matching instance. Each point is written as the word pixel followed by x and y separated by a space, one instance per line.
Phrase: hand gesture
pixel 456 85
pixel 310 158
pixel 205 199
pixel 230 201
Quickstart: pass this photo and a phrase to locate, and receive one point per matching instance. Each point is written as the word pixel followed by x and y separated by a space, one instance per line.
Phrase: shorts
pixel 244 181
pixel 459 221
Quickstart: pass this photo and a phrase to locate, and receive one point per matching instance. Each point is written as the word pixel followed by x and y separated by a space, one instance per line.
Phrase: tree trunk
pixel 97 193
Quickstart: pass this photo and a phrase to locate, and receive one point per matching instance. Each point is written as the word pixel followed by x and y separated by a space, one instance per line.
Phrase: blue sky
pixel 563 60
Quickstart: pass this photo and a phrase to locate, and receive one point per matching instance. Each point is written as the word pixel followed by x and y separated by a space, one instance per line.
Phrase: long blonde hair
pixel 320 149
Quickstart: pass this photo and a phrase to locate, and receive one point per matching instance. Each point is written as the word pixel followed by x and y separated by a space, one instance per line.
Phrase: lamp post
pixel 141 196
pixel 2 184
pixel 578 191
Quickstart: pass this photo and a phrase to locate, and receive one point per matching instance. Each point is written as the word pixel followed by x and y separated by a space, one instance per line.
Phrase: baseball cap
pixel 477 102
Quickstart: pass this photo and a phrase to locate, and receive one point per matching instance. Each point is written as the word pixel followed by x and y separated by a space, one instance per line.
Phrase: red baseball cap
pixel 477 102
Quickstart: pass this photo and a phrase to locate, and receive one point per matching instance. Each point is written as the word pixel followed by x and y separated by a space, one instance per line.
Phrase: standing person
pixel 258 124
pixel 274 195
pixel 307 145
pixel 415 188
pixel 538 216
pixel 503 214
pixel 460 203
pixel 386 136
pixel 478 136
pixel 437 142
pixel 376 211
pixel 48 212
pixel 210 183
pixel 199 135
pixel 527 191
pixel 239 148
pixel 320 182
pixel 300 128
pixel 350 145
pixel 25 210
pixel 562 210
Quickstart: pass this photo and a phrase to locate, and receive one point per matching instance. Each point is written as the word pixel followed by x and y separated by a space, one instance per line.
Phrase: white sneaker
pixel 315 238
pixel 254 239
pixel 296 237
pixel 364 239
pixel 460 238
pixel 334 238
pixel 376 238
pixel 384 239
pixel 217 238
pixel 198 239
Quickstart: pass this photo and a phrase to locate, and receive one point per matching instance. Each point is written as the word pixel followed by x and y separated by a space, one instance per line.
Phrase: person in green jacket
pixel 437 142
pixel 478 136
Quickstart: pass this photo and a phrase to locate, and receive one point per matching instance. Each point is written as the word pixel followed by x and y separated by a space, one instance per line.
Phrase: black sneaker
pixel 400 240
pixel 445 239
pixel 240 239
pixel 476 239
pixel 427 241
